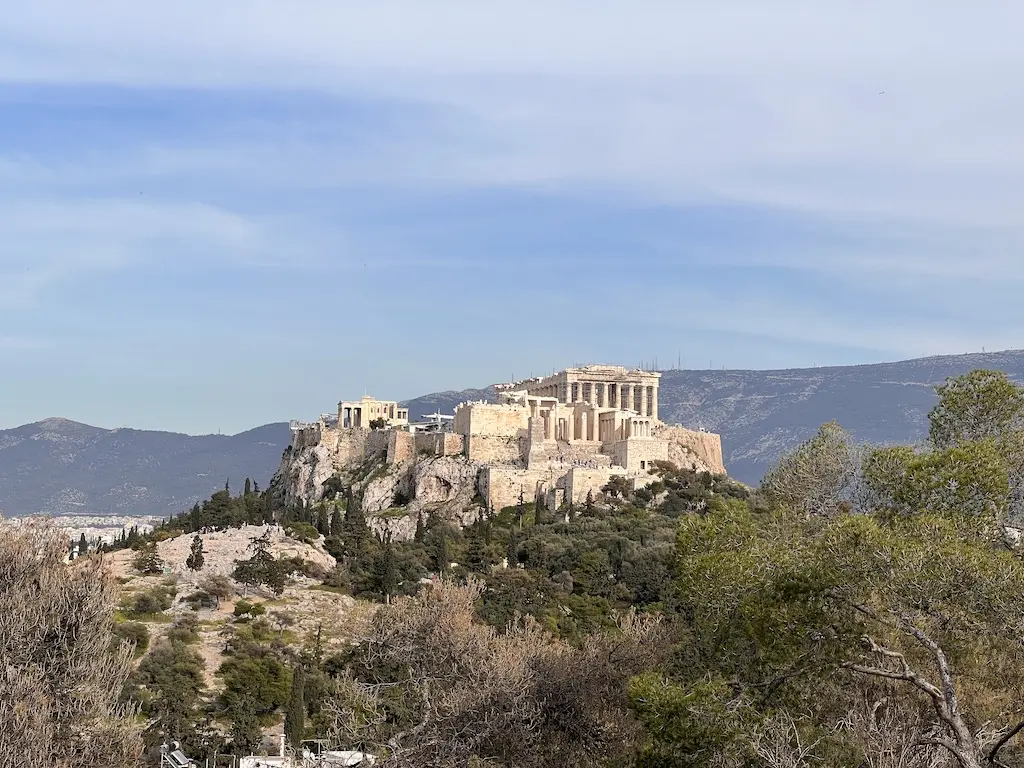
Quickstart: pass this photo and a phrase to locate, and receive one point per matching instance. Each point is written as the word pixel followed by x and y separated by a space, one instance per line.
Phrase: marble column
pixel 654 402
pixel 643 400
pixel 627 399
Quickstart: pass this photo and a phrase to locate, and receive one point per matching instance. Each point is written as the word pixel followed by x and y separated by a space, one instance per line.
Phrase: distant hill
pixel 62 467
pixel 760 414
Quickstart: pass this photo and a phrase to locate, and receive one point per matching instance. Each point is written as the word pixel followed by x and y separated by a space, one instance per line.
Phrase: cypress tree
pixel 441 555
pixel 322 523
pixel 336 521
pixel 83 546
pixel 476 557
pixel 387 571
pixel 420 530
pixel 227 486
pixel 248 487
pixel 589 504
pixel 255 487
pixel 512 552
pixel 295 716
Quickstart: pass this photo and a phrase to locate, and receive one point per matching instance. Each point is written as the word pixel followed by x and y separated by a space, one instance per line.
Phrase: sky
pixel 219 214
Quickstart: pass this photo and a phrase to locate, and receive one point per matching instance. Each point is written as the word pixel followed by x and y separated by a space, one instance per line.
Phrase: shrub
pixel 245 608
pixel 135 633
pixel 303 532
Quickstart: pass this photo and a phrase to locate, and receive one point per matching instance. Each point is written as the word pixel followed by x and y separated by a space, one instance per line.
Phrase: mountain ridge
pixel 64 467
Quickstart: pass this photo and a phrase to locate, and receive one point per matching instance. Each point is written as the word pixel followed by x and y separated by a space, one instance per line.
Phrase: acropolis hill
pixel 555 439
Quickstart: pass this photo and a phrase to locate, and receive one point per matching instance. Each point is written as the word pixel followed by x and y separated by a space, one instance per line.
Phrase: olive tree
pixel 60 680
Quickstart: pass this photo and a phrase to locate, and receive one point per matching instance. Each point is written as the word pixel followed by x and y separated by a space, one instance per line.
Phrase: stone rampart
pixel 495 449
pixel 439 443
pixel 636 454
pixel 401 446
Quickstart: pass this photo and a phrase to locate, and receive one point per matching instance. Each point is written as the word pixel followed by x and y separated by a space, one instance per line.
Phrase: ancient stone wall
pixel 491 419
pixel 501 486
pixel 376 443
pixel 439 443
pixel 494 449
pixel 637 454
pixel 401 446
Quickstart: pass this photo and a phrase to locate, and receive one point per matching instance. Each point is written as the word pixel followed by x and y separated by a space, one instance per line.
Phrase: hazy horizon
pixel 302 416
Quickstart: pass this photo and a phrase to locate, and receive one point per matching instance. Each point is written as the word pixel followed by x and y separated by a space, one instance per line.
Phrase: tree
pixel 63 669
pixel 387 571
pixel 420 533
pixel 442 556
pixel 814 477
pixel 472 695
pixel 248 487
pixel 977 406
pixel 262 567
pixel 196 558
pixel 148 561
pixel 323 525
pixel 295 716
pixel 83 546
pixel 336 522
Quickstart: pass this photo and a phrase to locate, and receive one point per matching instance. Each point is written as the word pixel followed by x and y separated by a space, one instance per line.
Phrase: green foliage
pixel 295 716
pixel 151 601
pixel 148 561
pixel 968 480
pixel 134 633
pixel 262 567
pixel 245 608
pixel 981 405
pixel 196 557
pixel 815 476
pixel 169 683
pixel 303 532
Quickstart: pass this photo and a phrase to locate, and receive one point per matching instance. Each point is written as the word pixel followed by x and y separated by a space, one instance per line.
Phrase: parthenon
pixel 604 386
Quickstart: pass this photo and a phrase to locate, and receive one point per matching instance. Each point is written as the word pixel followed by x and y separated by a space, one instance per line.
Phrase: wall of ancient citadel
pixel 439 443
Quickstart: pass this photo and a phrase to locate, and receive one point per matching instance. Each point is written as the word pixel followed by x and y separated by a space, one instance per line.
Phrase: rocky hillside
pixel 61 467
pixel 762 413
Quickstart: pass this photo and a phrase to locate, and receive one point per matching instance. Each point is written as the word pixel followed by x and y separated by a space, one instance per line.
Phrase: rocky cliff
pixel 392 495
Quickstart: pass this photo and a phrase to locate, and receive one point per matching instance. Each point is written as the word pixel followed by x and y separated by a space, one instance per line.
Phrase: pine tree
pixel 83 546
pixel 196 558
pixel 420 530
pixel 248 487
pixel 295 716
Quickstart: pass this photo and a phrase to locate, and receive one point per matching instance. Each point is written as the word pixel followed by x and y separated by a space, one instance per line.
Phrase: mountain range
pixel 62 467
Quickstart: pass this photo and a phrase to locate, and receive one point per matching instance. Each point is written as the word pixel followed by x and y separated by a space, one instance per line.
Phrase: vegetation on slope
pixel 864 607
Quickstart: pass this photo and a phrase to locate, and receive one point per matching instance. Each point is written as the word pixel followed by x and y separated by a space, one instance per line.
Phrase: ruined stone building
pixel 556 438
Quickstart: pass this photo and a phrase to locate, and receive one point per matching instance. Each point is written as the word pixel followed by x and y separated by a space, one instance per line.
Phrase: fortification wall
pixel 501 486
pixel 401 446
pixel 636 454
pixel 706 446
pixel 495 449
pixel 440 443
pixel 376 442
pixel 492 419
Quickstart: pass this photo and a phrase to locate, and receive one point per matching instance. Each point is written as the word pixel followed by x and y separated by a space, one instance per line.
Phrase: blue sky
pixel 218 214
